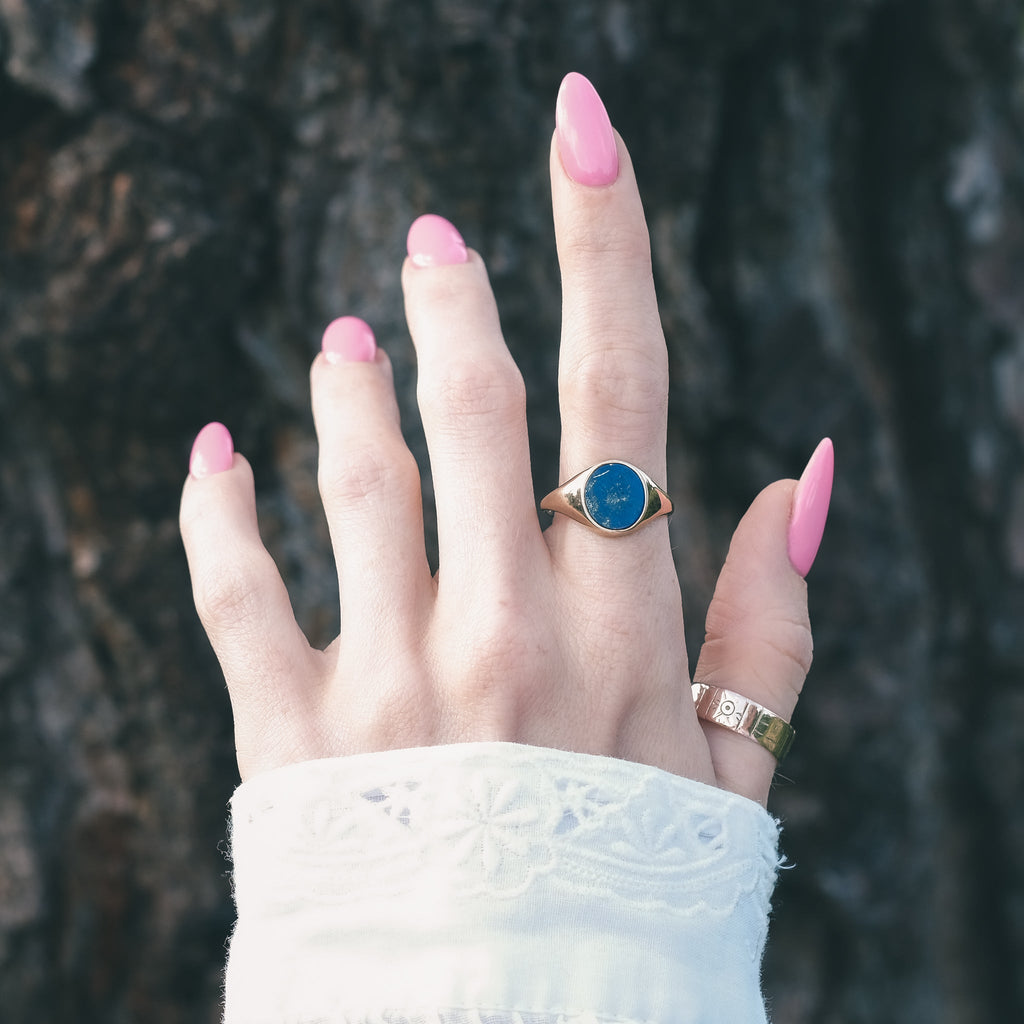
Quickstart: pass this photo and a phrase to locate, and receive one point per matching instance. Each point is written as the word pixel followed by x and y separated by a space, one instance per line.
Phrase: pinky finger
pixel 241 599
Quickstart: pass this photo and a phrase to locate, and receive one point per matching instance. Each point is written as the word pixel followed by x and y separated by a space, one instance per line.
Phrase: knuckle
pixel 364 471
pixel 226 594
pixel 502 663
pixel 775 646
pixel 470 389
pixel 780 657
pixel 790 644
pixel 450 288
pixel 616 377
pixel 591 241
pixel 622 674
pixel 401 717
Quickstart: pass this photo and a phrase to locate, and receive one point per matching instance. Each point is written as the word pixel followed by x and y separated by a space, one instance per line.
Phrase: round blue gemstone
pixel 615 496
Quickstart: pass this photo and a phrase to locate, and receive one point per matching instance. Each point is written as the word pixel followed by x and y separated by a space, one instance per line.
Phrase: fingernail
pixel 434 242
pixel 348 340
pixel 586 142
pixel 212 451
pixel 810 508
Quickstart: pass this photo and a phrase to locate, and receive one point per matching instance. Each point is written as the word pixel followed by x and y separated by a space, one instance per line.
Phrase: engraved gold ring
pixel 613 498
pixel 744 716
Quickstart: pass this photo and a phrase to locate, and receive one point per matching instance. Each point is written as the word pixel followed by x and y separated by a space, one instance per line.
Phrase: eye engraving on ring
pixel 743 716
pixel 727 713
pixel 612 498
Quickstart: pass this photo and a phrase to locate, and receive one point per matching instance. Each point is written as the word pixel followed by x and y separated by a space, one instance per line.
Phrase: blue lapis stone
pixel 615 496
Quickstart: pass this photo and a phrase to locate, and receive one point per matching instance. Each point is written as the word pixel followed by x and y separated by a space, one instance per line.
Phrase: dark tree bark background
pixel 190 190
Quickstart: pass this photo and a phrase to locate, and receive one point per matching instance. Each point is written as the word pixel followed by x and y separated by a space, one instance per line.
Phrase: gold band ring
pixel 613 498
pixel 744 716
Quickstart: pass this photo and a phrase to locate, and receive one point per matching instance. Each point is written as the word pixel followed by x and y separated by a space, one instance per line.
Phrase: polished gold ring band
pixel 744 716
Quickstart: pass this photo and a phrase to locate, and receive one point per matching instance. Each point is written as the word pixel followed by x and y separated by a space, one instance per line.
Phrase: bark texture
pixel 189 191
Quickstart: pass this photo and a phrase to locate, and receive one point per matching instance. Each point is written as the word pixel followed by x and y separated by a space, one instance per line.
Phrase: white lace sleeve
pixel 498 883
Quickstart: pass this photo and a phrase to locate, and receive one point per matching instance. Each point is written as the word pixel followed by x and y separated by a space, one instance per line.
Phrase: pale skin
pixel 562 638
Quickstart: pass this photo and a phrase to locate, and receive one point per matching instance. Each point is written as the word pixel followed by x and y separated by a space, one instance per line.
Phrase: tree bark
pixel 189 191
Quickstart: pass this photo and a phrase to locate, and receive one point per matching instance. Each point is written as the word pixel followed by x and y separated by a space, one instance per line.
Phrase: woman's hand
pixel 565 638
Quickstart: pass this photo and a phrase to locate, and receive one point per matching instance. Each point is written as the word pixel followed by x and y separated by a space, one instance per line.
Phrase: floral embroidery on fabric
pixel 498 834
pixel 495 883
pixel 500 822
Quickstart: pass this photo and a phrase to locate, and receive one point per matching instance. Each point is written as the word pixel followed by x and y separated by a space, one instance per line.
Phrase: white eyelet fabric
pixel 497 883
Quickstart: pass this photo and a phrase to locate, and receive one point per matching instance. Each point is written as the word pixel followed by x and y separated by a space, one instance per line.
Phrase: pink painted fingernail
pixel 349 340
pixel 810 508
pixel 212 451
pixel 586 142
pixel 434 242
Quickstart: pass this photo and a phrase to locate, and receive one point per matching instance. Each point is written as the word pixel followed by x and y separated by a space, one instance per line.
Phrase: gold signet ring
pixel 612 498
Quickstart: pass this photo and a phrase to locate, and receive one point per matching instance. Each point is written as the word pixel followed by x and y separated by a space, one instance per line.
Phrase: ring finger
pixel 613 365
pixel 613 372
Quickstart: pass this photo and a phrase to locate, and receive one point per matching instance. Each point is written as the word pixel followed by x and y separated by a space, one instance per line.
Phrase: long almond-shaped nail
pixel 435 242
pixel 212 451
pixel 349 340
pixel 810 508
pixel 586 142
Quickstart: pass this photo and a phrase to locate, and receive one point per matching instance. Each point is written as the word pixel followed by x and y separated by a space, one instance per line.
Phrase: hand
pixel 564 638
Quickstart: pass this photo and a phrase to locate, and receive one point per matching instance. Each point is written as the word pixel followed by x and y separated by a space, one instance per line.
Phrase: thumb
pixel 758 634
